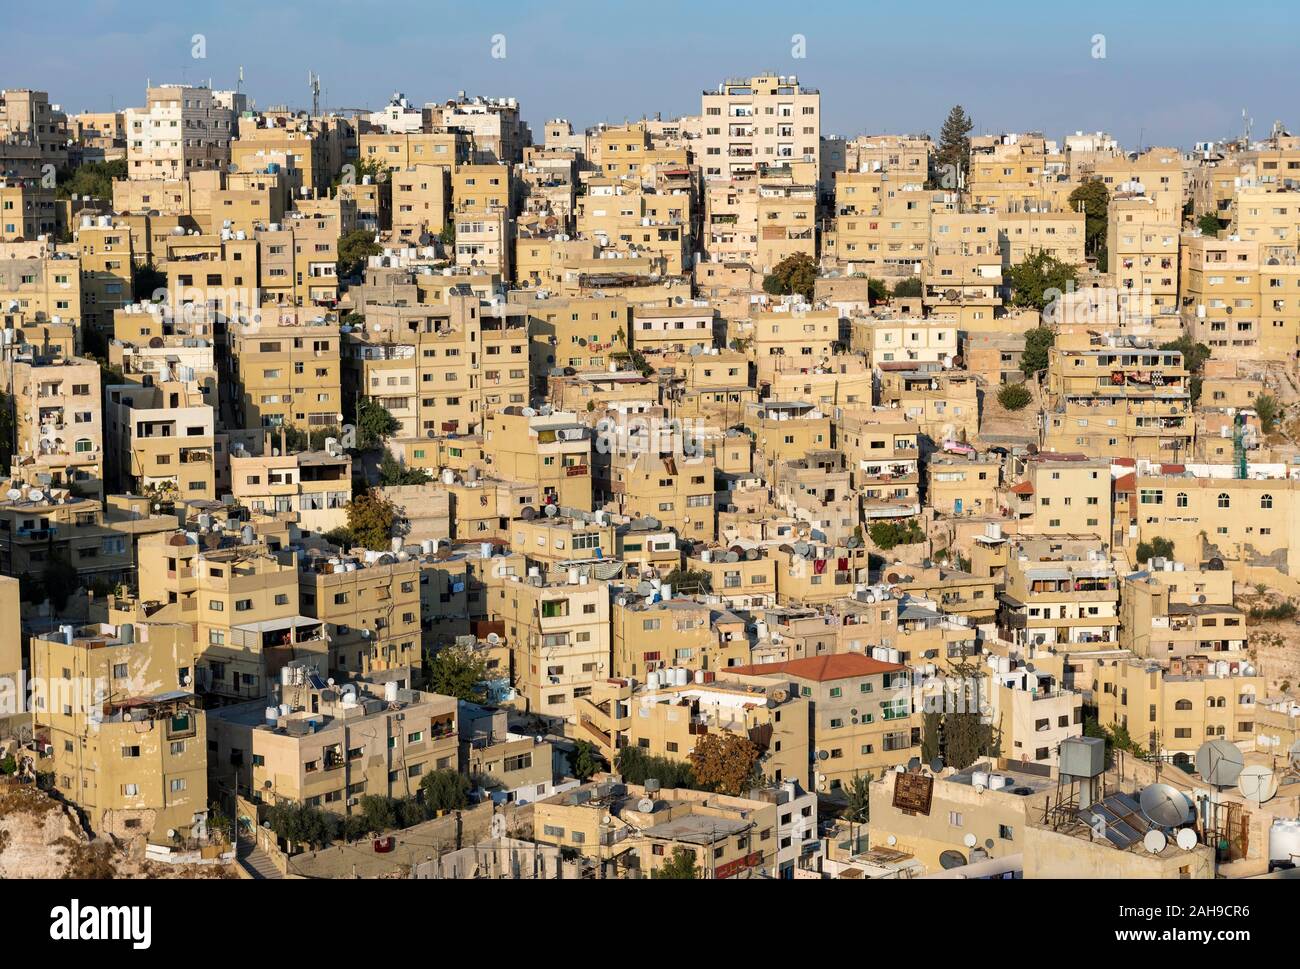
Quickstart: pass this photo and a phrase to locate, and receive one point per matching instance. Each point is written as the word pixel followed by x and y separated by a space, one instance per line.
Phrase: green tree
pixel 1038 280
pixel 1209 225
pixel 793 274
pixel 302 825
pixel 953 153
pixel 1014 396
pixel 909 287
pixel 635 765
pixel 1194 354
pixel 680 866
pixel 1269 409
pixel 858 795
pixel 1037 342
pixel 374 424
pixel 1156 548
pixel 1093 199
pixel 456 671
pixel 586 760
pixel 887 534
pixel 931 742
pixel 391 472
pixel 448 234
pixel 378 812
pixel 91 178
pixel 445 790
pixel 877 291
pixel 354 249
pixel 372 519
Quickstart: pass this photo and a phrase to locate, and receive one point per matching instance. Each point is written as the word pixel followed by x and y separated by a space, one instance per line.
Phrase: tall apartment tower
pixel 179 130
pixel 768 120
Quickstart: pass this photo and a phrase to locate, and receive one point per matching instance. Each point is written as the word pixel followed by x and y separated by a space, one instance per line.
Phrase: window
pixel 1224 500
pixel 1266 501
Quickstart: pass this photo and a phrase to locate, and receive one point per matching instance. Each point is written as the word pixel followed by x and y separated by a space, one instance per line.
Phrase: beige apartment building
pixel 667 721
pixel 1142 255
pixel 793 335
pixel 961 275
pixel 180 130
pixel 162 440
pixel 559 639
pixel 60 415
pixel 371 612
pixel 126 734
pixel 554 451
pixel 1178 708
pixel 1169 611
pixel 1063 494
pixel 1061 593
pixel 703 638
pixel 43 283
pixel 861 716
pixel 26 210
pixel 765 120
pixel 314 487
pixel 421 201
pixel 1116 397
pixel 883 451
pixel 105 248
pixel 285 372
pixel 328 746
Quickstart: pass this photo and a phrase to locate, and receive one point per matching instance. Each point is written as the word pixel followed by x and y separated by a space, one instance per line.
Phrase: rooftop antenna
pixel 239 85
pixel 1246 121
pixel 313 81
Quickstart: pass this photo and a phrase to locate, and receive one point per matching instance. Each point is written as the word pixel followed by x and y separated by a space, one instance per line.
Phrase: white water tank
pixel 979 779
pixel 683 676
pixel 652 681
pixel 390 691
pixel 699 676
pixel 272 716
pixel 1284 840
pixel 998 781
pixel 428 546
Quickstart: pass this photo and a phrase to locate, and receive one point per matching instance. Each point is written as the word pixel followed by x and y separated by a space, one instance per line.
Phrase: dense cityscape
pixel 404 493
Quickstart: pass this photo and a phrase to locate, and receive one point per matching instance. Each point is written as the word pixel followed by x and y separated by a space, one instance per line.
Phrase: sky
pixel 1172 74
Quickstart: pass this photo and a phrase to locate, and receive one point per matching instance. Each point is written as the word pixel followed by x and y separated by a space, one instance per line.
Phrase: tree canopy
pixel 679 866
pixel 457 671
pixel 1037 342
pixel 91 178
pixel 392 472
pixel 1038 280
pixel 793 274
pixel 354 249
pixel 445 790
pixel 371 521
pixel 374 424
pixel 1014 396
pixel 953 153
pixel 1093 199
pixel 725 762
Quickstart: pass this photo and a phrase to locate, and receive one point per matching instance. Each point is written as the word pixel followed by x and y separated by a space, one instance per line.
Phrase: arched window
pixel 1224 500
pixel 1266 501
pixel 85 444
pixel 1183 705
pixel 1181 500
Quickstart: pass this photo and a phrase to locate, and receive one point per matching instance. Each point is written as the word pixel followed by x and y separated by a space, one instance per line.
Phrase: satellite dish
pixel 936 765
pixel 1219 763
pixel 493 639
pixel 891 840
pixel 1165 806
pixel 952 859
pixel 551 511
pixel 13 494
pixel 646 805
pixel 914 764
pixel 1257 784
pixel 1155 841
pixel 1186 839
pixel 970 841
pixel 36 495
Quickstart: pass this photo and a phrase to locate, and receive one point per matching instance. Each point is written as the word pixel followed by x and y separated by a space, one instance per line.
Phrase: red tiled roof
pixel 1024 488
pixel 1172 468
pixel 1124 462
pixel 841 666
pixel 1126 483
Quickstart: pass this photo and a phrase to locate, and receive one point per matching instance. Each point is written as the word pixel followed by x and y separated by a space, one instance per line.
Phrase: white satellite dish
pixel 1186 839
pixel 646 805
pixel 13 494
pixel 493 638
pixel 970 841
pixel 36 495
pixel 1155 841
pixel 1257 783
pixel 891 841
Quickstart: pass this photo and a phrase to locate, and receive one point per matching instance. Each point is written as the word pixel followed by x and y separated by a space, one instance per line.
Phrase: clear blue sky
pixel 1174 73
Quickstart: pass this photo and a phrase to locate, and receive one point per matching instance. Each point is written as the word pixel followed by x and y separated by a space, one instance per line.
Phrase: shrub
pixel 1014 396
